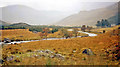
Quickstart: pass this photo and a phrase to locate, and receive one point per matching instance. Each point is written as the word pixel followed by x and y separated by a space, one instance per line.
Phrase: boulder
pixel 29 51
pixel 17 60
pixel 7 40
pixel 87 51
pixel 10 58
pixel 1 61
pixel 51 56
pixel 118 27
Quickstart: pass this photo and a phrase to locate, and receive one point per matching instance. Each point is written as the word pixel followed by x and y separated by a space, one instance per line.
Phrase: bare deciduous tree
pixel 83 28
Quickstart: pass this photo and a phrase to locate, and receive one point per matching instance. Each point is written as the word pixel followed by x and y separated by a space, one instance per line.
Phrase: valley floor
pixel 63 52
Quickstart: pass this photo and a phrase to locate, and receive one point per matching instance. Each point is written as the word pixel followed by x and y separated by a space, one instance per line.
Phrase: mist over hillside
pixel 90 17
pixel 25 14
pixel 3 23
pixel 21 13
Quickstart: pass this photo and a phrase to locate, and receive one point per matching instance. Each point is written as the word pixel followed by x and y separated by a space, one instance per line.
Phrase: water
pixel 18 42
pixel 90 34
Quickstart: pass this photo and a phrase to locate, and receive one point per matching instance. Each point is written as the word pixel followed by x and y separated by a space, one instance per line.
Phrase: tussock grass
pixel 20 34
pixel 97 44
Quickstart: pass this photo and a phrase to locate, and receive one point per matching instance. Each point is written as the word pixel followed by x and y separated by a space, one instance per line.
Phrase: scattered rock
pixel 85 36
pixel 71 55
pixel 41 51
pixel 17 60
pixel 67 58
pixel 84 58
pixel 4 57
pixel 57 55
pixel 53 49
pixel 10 58
pixel 10 48
pixel 51 56
pixel 62 58
pixel 118 27
pixel 29 51
pixel 12 52
pixel 74 50
pixel 20 36
pixel 20 52
pixel 48 51
pixel 36 54
pixel 104 31
pixel 1 61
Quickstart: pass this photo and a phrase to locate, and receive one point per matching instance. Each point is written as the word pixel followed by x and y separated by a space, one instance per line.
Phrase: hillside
pixel 90 17
pixel 3 23
pixel 114 19
pixel 21 13
pixel 20 24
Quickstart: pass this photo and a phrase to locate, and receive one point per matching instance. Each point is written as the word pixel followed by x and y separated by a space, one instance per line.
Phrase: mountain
pixel 21 13
pixel 20 24
pixel 115 19
pixel 90 17
pixel 3 23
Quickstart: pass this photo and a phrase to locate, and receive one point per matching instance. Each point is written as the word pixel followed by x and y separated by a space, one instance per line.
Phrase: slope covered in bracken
pixel 113 50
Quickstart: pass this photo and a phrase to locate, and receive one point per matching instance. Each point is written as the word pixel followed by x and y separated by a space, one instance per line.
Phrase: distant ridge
pixel 3 23
pixel 20 24
pixel 90 17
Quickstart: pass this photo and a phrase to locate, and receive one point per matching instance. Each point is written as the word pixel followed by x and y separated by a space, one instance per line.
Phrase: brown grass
pixel 57 35
pixel 21 34
pixel 106 29
pixel 97 44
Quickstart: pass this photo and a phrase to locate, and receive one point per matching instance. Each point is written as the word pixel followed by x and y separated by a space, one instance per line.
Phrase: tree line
pixel 103 23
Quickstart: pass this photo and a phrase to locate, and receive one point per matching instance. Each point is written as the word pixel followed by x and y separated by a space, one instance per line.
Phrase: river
pixel 89 34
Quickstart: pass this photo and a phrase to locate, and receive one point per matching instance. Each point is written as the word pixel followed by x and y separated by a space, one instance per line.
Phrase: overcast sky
pixel 72 6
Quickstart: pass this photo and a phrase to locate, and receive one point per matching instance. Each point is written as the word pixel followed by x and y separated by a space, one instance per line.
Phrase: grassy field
pixel 25 34
pixel 57 35
pixel 20 34
pixel 98 30
pixel 71 49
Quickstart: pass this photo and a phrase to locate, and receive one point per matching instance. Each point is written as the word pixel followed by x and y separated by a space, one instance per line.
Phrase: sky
pixel 72 6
